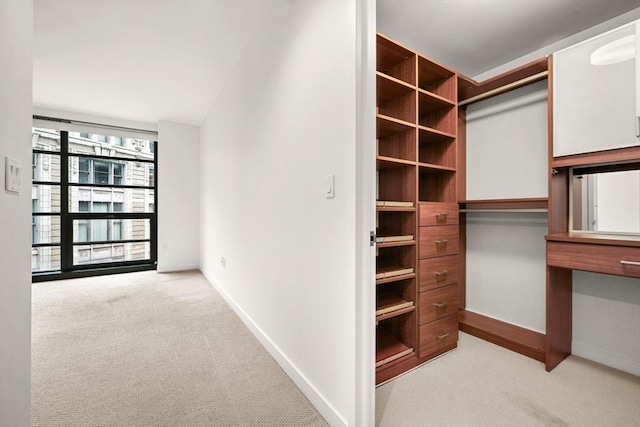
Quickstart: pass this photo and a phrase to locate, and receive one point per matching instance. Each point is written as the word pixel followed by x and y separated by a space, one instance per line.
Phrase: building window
pixel 92 171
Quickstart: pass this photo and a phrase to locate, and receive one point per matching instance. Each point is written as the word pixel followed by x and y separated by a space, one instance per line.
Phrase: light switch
pixel 329 188
pixel 12 174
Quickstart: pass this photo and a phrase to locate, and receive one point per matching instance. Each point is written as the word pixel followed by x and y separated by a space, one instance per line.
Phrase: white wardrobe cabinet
pixel 596 86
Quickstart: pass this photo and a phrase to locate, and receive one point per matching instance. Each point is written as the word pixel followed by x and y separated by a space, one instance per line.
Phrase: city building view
pixel 108 177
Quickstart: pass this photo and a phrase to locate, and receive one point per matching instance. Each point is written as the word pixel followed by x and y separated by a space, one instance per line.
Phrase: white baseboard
pixel 605 358
pixel 174 268
pixel 325 409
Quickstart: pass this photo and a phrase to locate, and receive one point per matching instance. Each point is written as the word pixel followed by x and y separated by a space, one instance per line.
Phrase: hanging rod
pixel 98 125
pixel 504 210
pixel 497 91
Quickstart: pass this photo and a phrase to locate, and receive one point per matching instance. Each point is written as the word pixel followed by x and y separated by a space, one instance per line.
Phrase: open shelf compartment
pixel 395 139
pixel 395 99
pixel 395 60
pixel 437 79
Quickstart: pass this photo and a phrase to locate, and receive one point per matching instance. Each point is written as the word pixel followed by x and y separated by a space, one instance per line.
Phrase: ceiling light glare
pixel 614 52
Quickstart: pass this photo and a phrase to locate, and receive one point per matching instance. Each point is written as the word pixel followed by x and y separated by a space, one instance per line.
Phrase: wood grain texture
pixel 606 156
pixel 524 203
pixel 438 337
pixel 438 272
pixel 606 259
pixel 438 241
pixel 395 60
pixel 558 316
pixel 437 303
pixel 469 88
pixel 515 338
pixel 430 213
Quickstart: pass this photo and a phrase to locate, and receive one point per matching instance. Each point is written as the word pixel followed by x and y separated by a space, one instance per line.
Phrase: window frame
pixel 67 245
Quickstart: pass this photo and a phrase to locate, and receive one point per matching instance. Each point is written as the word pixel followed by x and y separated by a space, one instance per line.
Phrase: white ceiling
pixel 474 36
pixel 150 60
pixel 139 60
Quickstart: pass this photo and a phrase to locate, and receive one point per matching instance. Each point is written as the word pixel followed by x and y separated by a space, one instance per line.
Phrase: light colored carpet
pixel 481 384
pixel 148 349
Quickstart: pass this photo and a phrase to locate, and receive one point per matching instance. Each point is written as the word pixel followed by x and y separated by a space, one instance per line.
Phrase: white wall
pixel 285 120
pixel 606 320
pixel 178 197
pixel 506 271
pixel 507 145
pixel 16 38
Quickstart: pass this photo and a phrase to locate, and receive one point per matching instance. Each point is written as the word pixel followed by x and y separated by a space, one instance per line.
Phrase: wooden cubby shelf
pixel 395 278
pixel 396 244
pixel 437 79
pixel 432 135
pixel 389 348
pixel 416 159
pixel 395 99
pixel 390 304
pixel 395 60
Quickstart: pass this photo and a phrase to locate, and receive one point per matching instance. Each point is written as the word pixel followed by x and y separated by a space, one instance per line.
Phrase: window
pixel 92 171
pixel 90 203
pixel 34 222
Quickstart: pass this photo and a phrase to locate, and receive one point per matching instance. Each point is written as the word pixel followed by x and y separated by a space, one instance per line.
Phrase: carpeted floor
pixel 148 349
pixel 481 384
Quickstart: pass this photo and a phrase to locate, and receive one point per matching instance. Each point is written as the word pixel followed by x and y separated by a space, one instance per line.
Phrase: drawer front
pixel 439 336
pixel 438 303
pixel 438 272
pixel 438 241
pixel 608 259
pixel 438 213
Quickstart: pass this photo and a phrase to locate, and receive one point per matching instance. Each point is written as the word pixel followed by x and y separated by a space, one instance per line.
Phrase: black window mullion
pixel 154 218
pixel 66 224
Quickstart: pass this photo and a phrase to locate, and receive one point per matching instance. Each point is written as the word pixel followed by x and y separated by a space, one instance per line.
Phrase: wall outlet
pixel 13 170
pixel 223 262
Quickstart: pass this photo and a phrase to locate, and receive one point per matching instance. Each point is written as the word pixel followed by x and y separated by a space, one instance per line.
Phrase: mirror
pixel 605 199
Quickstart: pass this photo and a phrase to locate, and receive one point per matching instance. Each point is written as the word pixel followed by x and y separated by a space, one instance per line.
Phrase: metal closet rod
pixel 98 125
pixel 505 88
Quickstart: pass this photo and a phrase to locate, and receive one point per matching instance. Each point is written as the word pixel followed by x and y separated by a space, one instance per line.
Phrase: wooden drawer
pixel 608 259
pixel 432 213
pixel 438 272
pixel 438 303
pixel 438 241
pixel 439 336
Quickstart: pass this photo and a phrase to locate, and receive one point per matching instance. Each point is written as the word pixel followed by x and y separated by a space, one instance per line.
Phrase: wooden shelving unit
pixel 416 159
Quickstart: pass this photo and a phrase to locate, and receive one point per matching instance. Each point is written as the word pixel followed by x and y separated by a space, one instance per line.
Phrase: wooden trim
pixel 462 259
pixel 524 203
pixel 469 88
pixel 598 157
pixel 393 369
pixel 595 239
pixel 512 337
pixel 558 316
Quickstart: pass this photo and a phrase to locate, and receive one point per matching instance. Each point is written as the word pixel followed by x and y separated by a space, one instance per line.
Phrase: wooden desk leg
pixel 559 316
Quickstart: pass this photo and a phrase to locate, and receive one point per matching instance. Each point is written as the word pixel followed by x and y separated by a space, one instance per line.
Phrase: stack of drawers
pixel 439 269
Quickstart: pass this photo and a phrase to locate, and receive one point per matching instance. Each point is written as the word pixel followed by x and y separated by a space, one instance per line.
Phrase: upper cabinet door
pixel 596 104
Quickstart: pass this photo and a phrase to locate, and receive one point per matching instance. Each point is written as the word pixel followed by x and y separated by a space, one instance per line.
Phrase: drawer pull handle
pixel 441 242
pixel 441 217
pixel 440 304
pixel 442 336
pixel 624 262
pixel 441 275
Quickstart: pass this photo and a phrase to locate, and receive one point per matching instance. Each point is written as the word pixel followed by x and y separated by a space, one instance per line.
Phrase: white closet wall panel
pixel 506 267
pixel 507 145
